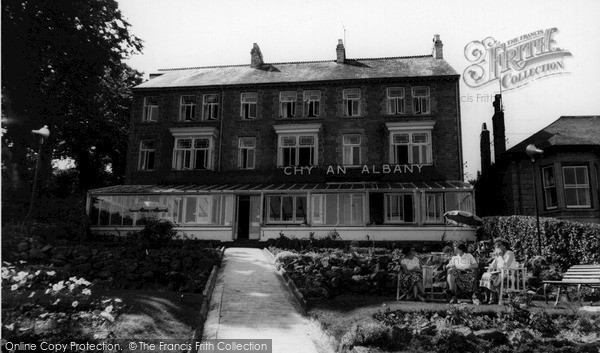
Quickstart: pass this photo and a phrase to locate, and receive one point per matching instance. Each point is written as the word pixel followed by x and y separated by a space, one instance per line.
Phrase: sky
pixel 190 33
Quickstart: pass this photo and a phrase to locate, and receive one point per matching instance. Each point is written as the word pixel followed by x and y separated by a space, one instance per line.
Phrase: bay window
pixel 577 186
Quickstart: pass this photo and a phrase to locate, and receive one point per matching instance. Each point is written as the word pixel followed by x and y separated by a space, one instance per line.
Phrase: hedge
pixel 564 243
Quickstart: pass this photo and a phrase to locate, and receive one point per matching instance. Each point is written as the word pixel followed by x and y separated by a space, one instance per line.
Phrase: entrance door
pixel 254 228
pixel 248 217
pixel 243 217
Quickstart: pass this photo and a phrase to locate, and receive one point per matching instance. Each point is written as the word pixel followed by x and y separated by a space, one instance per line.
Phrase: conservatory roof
pixel 280 187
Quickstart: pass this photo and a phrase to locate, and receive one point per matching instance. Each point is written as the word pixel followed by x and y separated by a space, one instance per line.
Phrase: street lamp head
pixel 532 151
pixel 44 132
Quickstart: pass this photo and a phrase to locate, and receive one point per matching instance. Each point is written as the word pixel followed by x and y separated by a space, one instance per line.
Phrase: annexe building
pixel 363 147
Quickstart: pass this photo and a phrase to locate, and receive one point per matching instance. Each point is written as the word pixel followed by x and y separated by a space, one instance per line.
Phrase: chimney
pixel 341 52
pixel 256 58
pixel 484 148
pixel 438 52
pixel 498 126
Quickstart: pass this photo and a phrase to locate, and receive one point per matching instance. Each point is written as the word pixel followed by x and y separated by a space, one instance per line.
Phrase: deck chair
pixel 512 281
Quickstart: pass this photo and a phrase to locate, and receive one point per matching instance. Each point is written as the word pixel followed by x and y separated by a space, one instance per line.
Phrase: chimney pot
pixel 341 52
pixel 485 149
pixel 438 47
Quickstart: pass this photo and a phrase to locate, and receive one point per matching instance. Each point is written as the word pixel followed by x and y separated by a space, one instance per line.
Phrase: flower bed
pixel 517 329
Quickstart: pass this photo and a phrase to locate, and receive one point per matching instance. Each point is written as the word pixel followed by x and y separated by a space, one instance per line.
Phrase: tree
pixel 62 66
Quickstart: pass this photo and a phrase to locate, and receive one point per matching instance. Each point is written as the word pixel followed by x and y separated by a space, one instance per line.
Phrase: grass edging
pixel 289 283
pixel 206 297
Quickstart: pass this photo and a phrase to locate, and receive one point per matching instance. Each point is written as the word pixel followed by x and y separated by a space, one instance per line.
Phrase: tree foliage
pixel 62 66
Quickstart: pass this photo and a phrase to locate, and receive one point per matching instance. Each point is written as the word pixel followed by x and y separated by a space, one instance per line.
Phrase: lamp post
pixel 532 152
pixel 43 133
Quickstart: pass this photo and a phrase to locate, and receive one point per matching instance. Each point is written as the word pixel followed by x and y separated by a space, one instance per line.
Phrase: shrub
pixel 370 334
pixel 564 243
pixel 157 233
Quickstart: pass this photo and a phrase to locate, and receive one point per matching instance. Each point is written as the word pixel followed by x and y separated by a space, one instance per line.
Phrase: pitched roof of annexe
pixel 279 187
pixel 565 131
pixel 299 72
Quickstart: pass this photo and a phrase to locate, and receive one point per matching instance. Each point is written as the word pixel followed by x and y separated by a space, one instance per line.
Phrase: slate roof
pixel 298 72
pixel 566 131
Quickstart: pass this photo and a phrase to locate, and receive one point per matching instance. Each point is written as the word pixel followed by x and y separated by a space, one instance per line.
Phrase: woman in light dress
pixel 411 273
pixel 462 272
pixel 490 281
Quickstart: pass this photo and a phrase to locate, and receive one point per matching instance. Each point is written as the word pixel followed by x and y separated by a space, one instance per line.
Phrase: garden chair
pixel 512 280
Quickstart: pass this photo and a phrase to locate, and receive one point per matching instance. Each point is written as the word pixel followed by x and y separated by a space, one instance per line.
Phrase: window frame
pixel 351 100
pixel 351 147
pixel 287 98
pixel 388 219
pixel 247 149
pixel 144 155
pixel 295 209
pixel 321 220
pixel 150 111
pixel 438 197
pixel 577 186
pixel 410 146
pixel 192 152
pixel 421 99
pixel 549 188
pixel 396 101
pixel 187 110
pixel 210 108
pixel 297 146
pixel 315 103
pixel 244 96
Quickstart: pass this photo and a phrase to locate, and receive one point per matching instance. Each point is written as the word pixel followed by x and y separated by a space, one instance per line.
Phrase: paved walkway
pixel 250 301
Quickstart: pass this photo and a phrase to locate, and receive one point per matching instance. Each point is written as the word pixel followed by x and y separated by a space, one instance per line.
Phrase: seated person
pixel 411 273
pixel 439 272
pixel 504 258
pixel 462 272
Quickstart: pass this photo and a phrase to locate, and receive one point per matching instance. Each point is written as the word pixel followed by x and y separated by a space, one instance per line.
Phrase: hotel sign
pixel 515 63
pixel 364 169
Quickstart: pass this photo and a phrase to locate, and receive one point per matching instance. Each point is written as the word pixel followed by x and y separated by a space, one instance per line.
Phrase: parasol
pixel 463 218
pixel 148 206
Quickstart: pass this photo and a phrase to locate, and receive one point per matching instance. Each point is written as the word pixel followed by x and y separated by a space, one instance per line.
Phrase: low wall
pixel 374 233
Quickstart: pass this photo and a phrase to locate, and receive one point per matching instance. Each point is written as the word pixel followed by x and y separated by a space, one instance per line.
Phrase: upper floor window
pixel 192 153
pixel 247 148
pixel 187 108
pixel 412 147
pixel 147 154
pixel 297 150
pixel 577 186
pixel 399 208
pixel 351 149
pixel 150 109
pixel 312 101
pixel 248 108
pixel 395 100
pixel 549 185
pixel 352 102
pixel 421 100
pixel 287 104
pixel 210 106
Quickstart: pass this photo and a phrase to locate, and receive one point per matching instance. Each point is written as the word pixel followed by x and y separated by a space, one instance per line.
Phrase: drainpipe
pixel 221 127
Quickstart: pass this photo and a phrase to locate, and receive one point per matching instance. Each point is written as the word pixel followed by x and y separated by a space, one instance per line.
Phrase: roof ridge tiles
pixel 296 62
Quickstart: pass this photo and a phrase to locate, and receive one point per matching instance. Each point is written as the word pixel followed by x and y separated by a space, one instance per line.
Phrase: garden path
pixel 250 301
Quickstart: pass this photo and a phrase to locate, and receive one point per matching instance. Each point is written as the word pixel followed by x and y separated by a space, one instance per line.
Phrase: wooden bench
pixel 578 275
